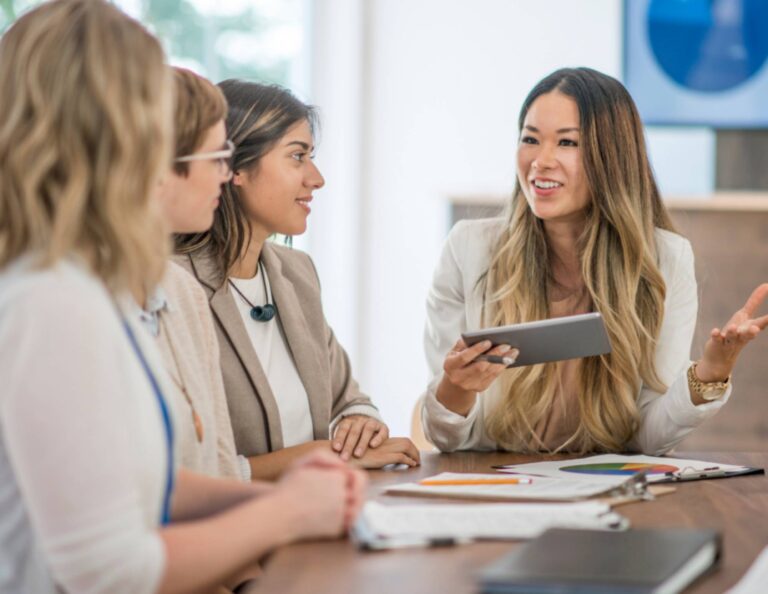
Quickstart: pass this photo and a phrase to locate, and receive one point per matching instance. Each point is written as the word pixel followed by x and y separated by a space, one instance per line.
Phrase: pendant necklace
pixel 259 313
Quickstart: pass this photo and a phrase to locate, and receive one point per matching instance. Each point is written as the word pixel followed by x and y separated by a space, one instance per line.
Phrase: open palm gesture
pixel 724 346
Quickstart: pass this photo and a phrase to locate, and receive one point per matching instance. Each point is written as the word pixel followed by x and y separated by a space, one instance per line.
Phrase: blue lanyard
pixel 166 517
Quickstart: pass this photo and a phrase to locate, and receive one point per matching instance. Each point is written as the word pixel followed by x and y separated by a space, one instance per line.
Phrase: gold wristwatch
pixel 707 390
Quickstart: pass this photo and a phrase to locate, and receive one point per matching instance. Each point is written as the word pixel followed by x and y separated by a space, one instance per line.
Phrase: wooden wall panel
pixel 740 160
pixel 731 249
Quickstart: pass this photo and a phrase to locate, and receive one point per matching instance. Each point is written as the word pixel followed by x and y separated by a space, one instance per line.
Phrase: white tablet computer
pixel 556 339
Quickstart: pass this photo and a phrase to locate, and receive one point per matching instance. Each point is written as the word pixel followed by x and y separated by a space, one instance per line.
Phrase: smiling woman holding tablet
pixel 585 231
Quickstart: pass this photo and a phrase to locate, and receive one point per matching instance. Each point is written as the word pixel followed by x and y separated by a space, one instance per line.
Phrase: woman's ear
pixel 237 178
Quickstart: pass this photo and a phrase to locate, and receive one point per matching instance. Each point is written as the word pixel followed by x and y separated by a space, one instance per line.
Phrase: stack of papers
pixel 493 487
pixel 394 526
pixel 609 466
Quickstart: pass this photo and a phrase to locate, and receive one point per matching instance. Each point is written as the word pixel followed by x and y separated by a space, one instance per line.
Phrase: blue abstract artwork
pixel 698 62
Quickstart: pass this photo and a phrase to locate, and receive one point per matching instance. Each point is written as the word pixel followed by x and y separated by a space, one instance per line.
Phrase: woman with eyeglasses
pixel 176 312
pixel 91 498
pixel 288 381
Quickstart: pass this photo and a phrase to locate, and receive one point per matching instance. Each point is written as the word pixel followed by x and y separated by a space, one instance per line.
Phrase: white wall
pixel 420 99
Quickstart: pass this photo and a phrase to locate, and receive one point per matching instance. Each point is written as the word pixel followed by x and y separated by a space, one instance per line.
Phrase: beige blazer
pixel 188 343
pixel 322 363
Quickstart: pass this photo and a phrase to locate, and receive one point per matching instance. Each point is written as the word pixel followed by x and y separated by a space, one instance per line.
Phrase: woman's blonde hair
pixel 85 133
pixel 619 267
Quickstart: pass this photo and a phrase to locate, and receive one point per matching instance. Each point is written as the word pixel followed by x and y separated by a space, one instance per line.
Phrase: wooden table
pixel 738 507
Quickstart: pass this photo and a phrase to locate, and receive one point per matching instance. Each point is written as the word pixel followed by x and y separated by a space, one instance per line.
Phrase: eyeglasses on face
pixel 223 157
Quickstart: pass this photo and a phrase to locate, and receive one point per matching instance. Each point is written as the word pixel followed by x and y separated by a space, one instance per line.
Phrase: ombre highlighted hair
pixel 85 134
pixel 619 267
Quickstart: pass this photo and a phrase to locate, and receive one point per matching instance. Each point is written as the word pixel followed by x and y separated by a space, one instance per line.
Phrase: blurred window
pixel 252 39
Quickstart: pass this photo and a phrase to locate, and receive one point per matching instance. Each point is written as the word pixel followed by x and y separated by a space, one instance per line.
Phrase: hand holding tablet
pixel 556 339
pixel 479 357
pixel 497 360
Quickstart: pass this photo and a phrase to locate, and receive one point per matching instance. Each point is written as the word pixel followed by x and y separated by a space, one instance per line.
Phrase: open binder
pixel 658 469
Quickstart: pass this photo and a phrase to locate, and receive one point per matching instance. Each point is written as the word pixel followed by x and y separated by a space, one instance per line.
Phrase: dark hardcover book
pixel 596 562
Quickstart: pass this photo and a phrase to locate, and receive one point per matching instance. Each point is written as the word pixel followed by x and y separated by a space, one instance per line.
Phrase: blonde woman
pixel 88 484
pixel 585 231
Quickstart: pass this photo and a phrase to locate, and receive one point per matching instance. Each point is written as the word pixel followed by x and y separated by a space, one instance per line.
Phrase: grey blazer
pixel 322 363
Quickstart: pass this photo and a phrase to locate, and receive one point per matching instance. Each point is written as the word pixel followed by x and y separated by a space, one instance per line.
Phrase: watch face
pixel 713 393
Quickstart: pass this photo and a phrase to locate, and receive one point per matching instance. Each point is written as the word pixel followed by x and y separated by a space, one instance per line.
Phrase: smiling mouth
pixel 546 184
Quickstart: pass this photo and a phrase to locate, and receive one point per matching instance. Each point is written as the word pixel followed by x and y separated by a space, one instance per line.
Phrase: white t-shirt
pixel 276 360
pixel 83 454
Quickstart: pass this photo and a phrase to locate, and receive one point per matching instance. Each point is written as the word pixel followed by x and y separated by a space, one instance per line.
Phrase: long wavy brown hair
pixel 618 256
pixel 85 133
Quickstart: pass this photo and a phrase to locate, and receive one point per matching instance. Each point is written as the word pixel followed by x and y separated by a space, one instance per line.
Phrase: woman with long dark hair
pixel 288 381
pixel 586 230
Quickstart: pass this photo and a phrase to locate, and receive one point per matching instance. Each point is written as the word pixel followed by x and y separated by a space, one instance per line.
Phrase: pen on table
pixel 496 359
pixel 507 469
pixel 494 481
pixel 416 542
pixel 692 474
pixel 688 470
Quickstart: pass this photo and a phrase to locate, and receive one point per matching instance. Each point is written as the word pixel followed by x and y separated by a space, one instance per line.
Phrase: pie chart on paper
pixel 620 468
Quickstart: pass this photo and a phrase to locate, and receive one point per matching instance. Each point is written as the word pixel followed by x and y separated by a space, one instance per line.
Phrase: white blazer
pixel 454 305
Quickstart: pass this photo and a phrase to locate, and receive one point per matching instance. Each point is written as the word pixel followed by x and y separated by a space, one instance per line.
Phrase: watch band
pixel 707 390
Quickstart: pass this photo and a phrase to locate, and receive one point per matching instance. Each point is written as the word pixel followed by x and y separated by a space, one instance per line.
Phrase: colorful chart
pixel 621 468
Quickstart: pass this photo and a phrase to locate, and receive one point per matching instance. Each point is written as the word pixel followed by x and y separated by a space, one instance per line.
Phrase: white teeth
pixel 546 185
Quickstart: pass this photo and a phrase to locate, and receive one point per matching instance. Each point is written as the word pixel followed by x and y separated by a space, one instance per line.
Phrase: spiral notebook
pixel 427 525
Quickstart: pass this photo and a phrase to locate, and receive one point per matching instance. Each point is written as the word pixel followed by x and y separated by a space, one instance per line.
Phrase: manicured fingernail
pixel 508 360
pixel 505 348
pixel 358 452
pixel 486 344
pixel 337 446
